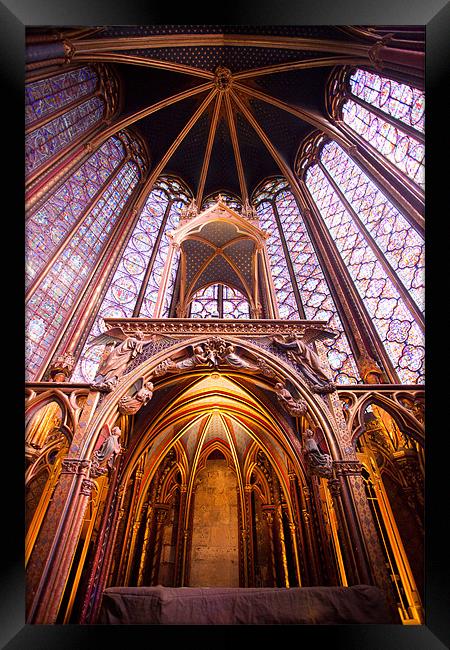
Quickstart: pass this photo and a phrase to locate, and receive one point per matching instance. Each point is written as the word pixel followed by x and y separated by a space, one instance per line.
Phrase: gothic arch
pixel 406 422
pixel 108 411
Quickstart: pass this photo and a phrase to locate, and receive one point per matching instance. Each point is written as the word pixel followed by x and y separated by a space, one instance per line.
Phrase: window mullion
pixel 72 232
pixel 148 272
pixel 403 126
pixel 415 311
pixel 287 257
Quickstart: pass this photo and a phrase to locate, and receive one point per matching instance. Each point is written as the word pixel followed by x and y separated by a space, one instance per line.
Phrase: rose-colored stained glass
pixel 287 305
pixel 45 96
pixel 402 150
pixel 149 303
pixel 49 225
pixel 209 303
pixel 123 291
pixel 47 140
pixel 205 303
pixel 231 201
pixel 120 299
pixel 399 242
pixel 56 294
pixel 401 101
pixel 397 329
pixel 315 294
pixel 235 304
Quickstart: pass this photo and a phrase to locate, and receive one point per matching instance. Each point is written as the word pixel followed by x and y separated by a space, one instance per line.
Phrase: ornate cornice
pixel 187 327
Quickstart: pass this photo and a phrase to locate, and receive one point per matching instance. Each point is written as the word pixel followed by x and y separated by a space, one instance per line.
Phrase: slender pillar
pixel 268 514
pixel 282 543
pixel 180 546
pixel 161 515
pixel 313 565
pixel 55 546
pixel 146 545
pixel 299 539
pixel 100 563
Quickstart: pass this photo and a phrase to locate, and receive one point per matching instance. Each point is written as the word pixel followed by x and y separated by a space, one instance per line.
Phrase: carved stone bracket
pixel 347 467
pixel 75 466
pixel 86 487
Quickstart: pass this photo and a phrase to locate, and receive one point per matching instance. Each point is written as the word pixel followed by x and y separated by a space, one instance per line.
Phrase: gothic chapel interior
pixel 224 324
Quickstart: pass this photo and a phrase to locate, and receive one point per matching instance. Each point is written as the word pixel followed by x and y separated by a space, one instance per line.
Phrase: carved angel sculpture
pixel 304 354
pixel 114 365
pixel 294 407
pixel 319 463
pixel 130 404
pixel 106 454
pixel 233 359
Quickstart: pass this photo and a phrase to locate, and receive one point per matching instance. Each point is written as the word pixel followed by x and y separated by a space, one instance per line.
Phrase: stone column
pixel 52 555
pixel 268 514
pixel 180 546
pixel 100 563
pixel 161 510
pixel 146 545
pixel 282 544
pixel 346 508
pixel 297 532
pixel 249 537
pixel 313 565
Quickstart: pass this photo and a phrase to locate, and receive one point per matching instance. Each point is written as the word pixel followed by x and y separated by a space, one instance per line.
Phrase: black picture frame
pixel 15 16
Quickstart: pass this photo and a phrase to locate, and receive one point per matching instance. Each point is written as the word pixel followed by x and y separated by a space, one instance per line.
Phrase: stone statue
pixel 212 353
pixel 318 462
pixel 114 365
pixel 295 407
pixel 107 453
pixel 305 355
pixel 129 405
pixel 233 359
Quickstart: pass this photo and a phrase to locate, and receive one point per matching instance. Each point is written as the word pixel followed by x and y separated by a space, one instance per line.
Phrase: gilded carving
pixel 61 367
pixel 295 407
pixel 86 487
pixel 103 458
pixel 75 466
pixel 347 467
pixel 212 353
pixel 112 367
pixel 309 361
pixel 131 404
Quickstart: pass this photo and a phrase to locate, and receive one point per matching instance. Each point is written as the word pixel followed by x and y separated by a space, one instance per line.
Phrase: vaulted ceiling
pixel 266 86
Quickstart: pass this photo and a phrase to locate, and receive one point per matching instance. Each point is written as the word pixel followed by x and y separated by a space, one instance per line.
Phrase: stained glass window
pixel 158 216
pixel 235 305
pixel 219 301
pixel 287 304
pixel 396 99
pixel 377 110
pixel 51 303
pixel 46 96
pixel 397 328
pixel 400 244
pixel 230 200
pixel 148 305
pixel 314 292
pixel 49 225
pixel 205 303
pixel 47 140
